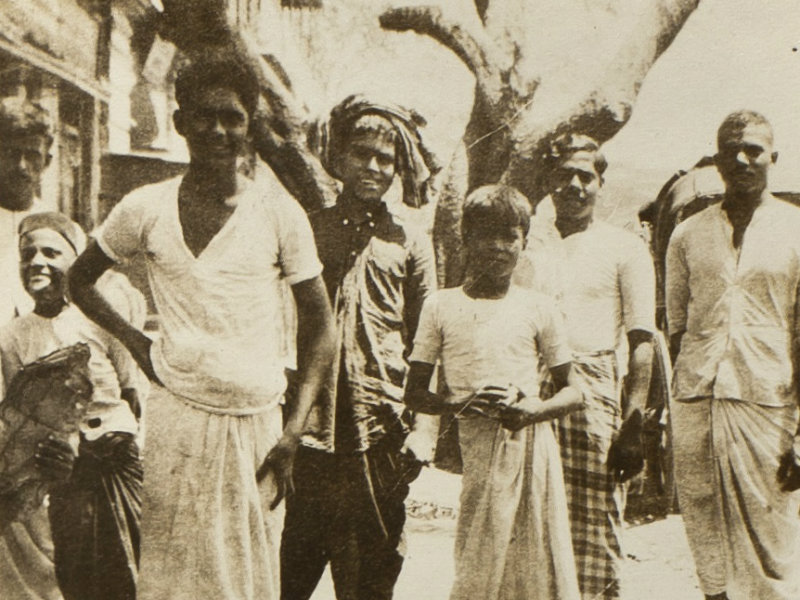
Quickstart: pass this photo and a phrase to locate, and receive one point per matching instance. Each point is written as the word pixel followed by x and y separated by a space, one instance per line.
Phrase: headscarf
pixel 415 164
pixel 55 221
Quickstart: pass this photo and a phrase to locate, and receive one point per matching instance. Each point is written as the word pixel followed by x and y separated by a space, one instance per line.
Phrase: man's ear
pixel 47 159
pixel 179 119
pixel 774 157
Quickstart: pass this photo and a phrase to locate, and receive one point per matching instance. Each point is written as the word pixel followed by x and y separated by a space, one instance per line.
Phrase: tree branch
pixel 430 21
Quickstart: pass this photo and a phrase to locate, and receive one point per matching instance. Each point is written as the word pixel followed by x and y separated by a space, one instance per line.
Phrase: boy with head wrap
pixel 94 513
pixel 353 469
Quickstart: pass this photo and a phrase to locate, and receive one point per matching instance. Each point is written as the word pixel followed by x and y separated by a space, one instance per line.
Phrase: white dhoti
pixel 743 531
pixel 207 530
pixel 513 537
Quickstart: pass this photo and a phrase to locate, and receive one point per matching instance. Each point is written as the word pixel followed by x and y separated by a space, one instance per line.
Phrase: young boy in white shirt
pixel 513 538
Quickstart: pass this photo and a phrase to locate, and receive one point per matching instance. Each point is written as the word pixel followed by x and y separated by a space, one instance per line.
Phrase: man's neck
pixel 212 184
pixel 49 309
pixel 567 227
pixel 481 286
pixel 16 205
pixel 740 209
pixel 357 208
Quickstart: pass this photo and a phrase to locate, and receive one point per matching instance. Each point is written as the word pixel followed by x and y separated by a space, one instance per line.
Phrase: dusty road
pixel 659 566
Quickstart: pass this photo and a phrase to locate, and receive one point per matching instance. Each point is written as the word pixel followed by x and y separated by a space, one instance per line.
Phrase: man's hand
pixel 789 472
pixel 54 458
pixel 139 347
pixel 419 445
pixel 626 454
pixel 280 461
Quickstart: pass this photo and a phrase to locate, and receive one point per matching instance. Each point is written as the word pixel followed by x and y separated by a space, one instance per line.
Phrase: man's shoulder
pixel 152 195
pixel 620 238
pixel 17 328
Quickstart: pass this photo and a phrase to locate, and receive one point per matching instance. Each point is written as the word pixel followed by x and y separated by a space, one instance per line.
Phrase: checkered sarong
pixel 595 503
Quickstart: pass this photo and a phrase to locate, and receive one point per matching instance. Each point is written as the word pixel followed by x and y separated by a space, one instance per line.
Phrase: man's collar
pixel 360 213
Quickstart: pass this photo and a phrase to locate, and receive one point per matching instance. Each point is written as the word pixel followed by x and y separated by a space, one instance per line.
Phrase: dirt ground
pixel 659 565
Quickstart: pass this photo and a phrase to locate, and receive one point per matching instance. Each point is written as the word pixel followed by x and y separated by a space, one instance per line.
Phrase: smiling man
pixel 604 283
pixel 216 246
pixel 357 459
pixel 733 279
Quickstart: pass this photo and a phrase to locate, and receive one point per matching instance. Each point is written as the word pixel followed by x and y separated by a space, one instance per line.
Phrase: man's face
pixel 367 165
pixel 575 184
pixel 494 254
pixel 216 127
pixel 743 159
pixel 22 161
pixel 45 257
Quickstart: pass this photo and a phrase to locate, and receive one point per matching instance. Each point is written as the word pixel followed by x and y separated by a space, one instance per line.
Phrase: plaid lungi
pixel 595 503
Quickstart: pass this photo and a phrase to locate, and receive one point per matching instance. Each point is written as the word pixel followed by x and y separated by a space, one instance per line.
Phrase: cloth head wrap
pixel 61 224
pixel 415 163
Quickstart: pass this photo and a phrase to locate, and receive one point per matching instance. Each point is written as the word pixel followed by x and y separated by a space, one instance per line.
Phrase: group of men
pixel 226 442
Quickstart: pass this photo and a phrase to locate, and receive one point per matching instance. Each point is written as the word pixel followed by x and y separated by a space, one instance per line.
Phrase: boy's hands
pixel 626 454
pixel 506 403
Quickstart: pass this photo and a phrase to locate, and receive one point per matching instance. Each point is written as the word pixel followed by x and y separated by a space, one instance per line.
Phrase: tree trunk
pixel 541 69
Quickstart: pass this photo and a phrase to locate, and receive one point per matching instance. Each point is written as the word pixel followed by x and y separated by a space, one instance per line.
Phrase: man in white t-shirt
pixel 25 140
pixel 217 247
pixel 605 286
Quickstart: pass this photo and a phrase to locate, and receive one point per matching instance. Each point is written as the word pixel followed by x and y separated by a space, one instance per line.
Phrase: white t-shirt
pixel 111 368
pixel 489 341
pixel 220 313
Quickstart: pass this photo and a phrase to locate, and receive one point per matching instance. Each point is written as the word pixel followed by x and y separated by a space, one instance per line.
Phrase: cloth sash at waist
pixel 233 411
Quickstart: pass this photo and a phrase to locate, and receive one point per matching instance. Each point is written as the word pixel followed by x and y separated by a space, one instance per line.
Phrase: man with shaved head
pixel 732 282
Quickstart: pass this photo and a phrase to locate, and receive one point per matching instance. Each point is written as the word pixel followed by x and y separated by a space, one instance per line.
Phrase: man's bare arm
pixel 316 348
pixel 640 367
pixel 83 275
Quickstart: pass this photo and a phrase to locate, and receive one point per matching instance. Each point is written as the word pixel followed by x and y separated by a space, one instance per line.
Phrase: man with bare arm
pixel 733 272
pixel 605 285
pixel 216 247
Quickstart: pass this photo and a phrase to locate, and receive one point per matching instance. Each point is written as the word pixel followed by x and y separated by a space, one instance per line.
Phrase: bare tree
pixel 541 69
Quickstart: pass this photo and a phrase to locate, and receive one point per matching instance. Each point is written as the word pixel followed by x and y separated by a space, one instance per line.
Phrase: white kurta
pixel 735 407
pixel 206 532
pixel 513 537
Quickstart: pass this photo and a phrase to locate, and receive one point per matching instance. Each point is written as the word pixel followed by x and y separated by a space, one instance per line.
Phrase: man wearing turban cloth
pixel 94 512
pixel 357 458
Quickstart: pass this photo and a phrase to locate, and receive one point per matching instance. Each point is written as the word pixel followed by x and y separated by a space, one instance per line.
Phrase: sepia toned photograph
pixel 399 299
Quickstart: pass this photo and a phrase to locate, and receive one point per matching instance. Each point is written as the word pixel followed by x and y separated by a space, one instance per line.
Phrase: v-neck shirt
pixel 738 306
pixel 219 343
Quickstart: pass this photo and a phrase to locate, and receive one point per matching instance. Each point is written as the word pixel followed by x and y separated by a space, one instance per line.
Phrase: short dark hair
pixel 739 119
pixel 22 117
pixel 493 208
pixel 562 147
pixel 213 70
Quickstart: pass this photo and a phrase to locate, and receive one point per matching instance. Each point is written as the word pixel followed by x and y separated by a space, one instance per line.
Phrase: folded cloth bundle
pixel 46 398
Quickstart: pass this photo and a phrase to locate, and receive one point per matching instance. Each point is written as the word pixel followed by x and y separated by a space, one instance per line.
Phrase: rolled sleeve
pixel 121 235
pixel 552 338
pixel 677 286
pixel 428 340
pixel 298 252
pixel 638 289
